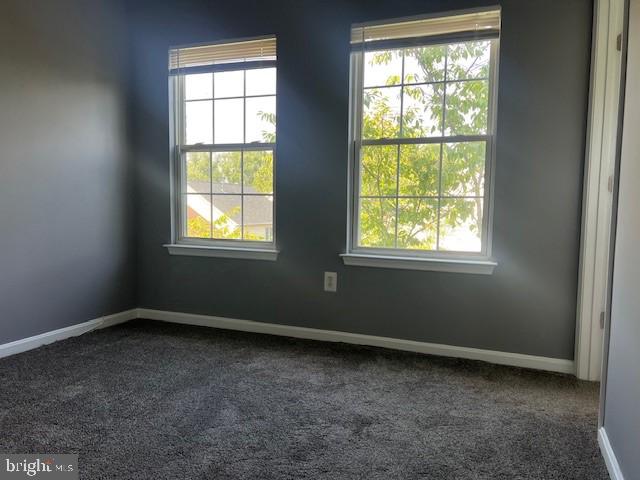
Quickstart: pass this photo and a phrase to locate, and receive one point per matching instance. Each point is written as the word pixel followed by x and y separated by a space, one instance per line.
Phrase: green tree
pixel 199 227
pixel 457 107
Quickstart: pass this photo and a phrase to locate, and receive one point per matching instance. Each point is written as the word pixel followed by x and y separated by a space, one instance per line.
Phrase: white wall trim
pixel 36 341
pixel 606 71
pixel 479 266
pixel 222 252
pixel 501 358
pixel 491 356
pixel 609 456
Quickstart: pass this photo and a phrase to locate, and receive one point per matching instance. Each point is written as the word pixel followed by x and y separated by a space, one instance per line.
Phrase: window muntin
pixel 423 129
pixel 225 136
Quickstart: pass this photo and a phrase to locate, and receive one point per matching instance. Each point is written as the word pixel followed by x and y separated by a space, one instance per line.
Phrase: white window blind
pixel 258 50
pixel 485 24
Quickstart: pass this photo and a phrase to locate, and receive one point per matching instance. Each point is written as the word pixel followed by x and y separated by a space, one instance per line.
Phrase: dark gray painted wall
pixel 622 390
pixel 66 202
pixel 527 306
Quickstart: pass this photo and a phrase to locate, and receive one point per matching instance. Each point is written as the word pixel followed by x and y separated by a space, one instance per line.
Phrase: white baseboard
pixel 609 456
pixel 502 358
pixel 72 331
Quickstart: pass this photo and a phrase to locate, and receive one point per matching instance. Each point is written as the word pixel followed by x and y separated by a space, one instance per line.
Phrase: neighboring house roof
pixel 199 186
pixel 258 210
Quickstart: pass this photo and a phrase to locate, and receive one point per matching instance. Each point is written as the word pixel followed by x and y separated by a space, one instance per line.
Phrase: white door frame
pixel 602 132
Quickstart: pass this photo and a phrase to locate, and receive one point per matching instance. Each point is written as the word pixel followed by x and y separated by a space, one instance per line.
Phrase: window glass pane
pixel 378 167
pixel 377 222
pixel 423 196
pixel 261 120
pixel 417 223
pixel 229 121
pixel 227 216
pixel 422 111
pixel 229 84
pixel 467 104
pixel 382 68
pixel 424 64
pixel 258 217
pixel 419 169
pixel 198 86
pixel 198 122
pixel 461 224
pixel 225 171
pixel 468 60
pixel 197 216
pixel 261 81
pixel 198 172
pixel 258 171
pixel 381 113
pixel 463 169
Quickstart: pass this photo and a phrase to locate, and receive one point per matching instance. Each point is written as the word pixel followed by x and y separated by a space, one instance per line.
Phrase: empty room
pixel 320 239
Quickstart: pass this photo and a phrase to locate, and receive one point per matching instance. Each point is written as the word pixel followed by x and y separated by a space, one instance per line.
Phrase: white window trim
pixel 456 262
pixel 203 247
pixel 222 252
pixel 480 266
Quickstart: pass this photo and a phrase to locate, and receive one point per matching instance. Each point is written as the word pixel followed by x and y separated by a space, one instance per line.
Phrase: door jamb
pixel 602 134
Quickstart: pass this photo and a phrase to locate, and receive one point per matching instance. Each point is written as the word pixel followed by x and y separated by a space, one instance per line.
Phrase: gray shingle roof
pixel 258 209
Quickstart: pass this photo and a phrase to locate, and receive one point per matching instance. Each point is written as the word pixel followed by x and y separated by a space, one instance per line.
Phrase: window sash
pixel 179 102
pixel 440 197
pixel 181 206
pixel 357 142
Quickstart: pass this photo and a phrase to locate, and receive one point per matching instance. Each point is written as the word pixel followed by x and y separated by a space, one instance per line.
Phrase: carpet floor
pixel 147 400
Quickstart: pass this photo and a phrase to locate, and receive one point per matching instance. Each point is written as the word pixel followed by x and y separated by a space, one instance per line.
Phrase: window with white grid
pixel 423 134
pixel 224 121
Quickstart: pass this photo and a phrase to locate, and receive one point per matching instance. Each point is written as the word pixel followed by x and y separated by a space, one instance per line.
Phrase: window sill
pixel 480 266
pixel 222 252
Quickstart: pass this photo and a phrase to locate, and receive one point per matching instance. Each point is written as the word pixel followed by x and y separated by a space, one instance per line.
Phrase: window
pixel 423 133
pixel 224 132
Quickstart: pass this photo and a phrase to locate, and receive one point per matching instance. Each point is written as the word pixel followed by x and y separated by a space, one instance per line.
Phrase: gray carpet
pixel 147 400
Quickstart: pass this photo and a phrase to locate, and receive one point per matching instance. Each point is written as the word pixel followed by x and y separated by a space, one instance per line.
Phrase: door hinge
pixel 619 42
pixel 610 184
pixel 602 320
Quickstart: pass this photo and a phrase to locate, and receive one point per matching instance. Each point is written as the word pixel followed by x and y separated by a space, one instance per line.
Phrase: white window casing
pixel 221 97
pixel 405 35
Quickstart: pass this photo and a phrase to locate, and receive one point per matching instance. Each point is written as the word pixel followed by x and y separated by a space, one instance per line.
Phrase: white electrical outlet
pixel 330 281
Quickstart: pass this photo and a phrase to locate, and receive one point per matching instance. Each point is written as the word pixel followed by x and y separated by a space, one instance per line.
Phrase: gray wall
pixel 622 391
pixel 527 306
pixel 66 206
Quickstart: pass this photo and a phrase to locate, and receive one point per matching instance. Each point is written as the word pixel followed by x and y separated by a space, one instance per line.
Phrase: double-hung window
pixel 224 138
pixel 422 132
